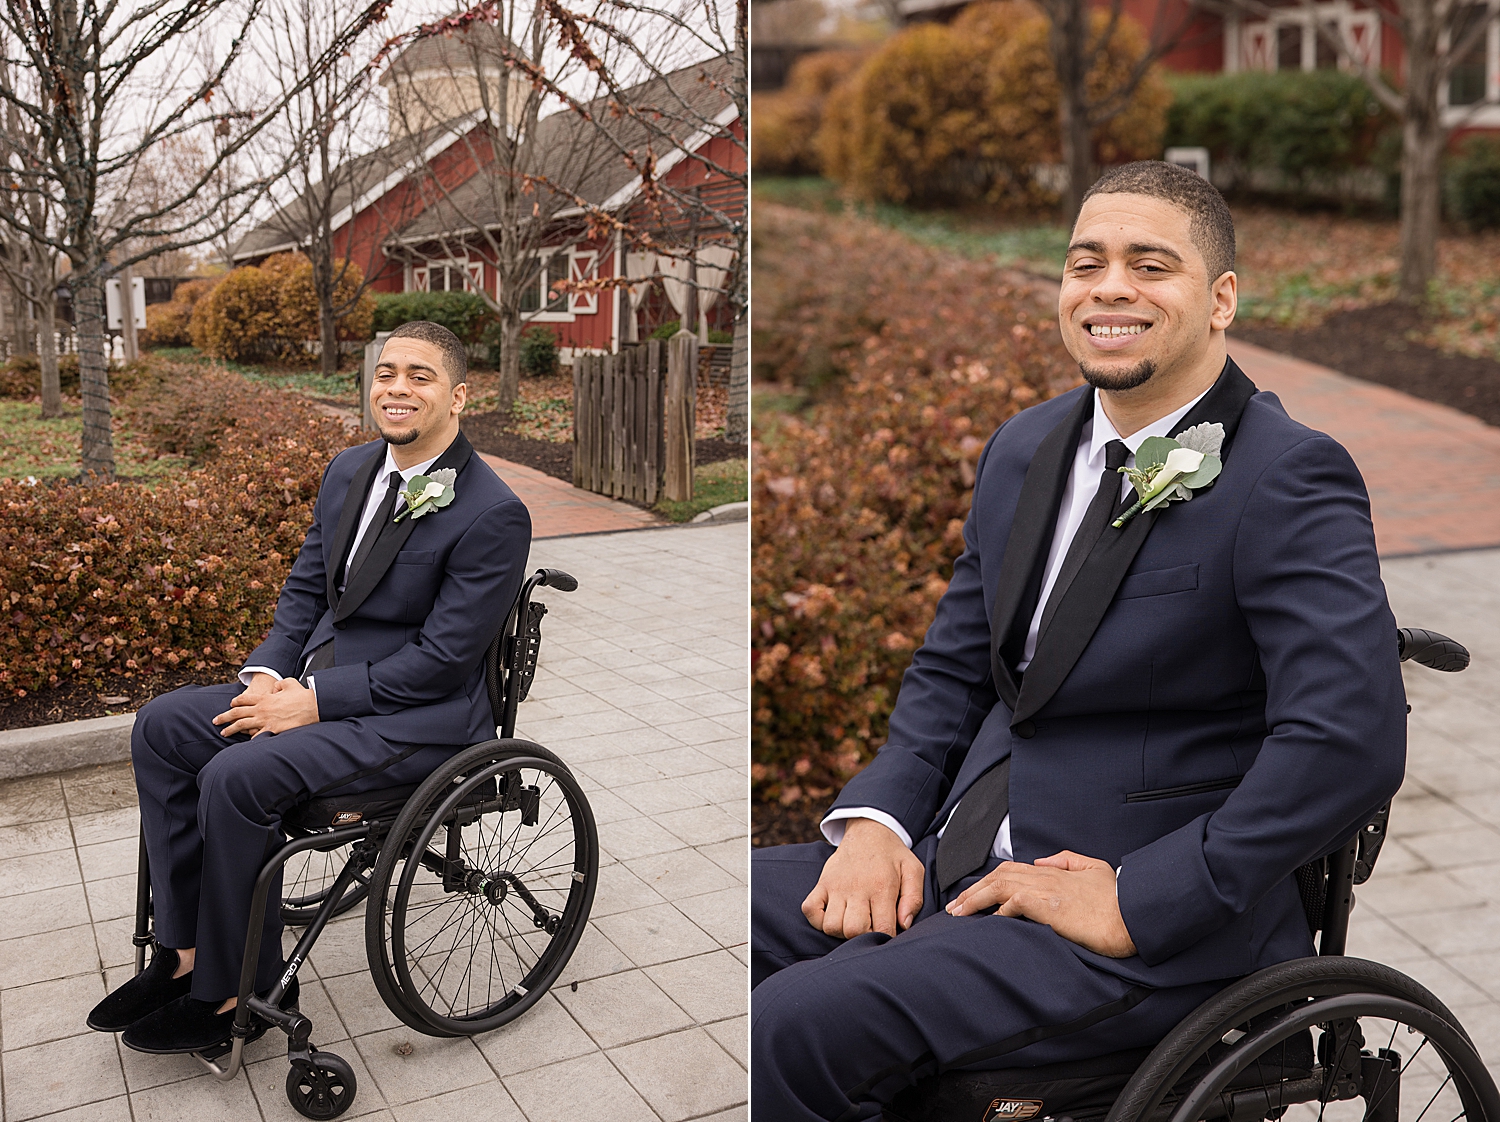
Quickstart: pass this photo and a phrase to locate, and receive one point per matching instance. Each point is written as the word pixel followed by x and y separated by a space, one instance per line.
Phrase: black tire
pixel 306 879
pixel 324 1090
pixel 1361 1067
pixel 467 958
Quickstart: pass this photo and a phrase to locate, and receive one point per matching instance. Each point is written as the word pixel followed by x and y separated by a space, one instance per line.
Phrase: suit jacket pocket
pixel 1203 788
pixel 416 557
pixel 1157 582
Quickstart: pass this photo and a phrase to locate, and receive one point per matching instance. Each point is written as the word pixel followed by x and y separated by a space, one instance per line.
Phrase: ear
pixel 1225 295
pixel 460 398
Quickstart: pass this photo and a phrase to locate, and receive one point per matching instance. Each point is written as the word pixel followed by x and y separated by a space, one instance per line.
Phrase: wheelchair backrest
pixel 510 660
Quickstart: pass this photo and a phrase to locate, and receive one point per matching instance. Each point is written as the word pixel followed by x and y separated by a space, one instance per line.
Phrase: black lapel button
pixel 341 624
pixel 1025 730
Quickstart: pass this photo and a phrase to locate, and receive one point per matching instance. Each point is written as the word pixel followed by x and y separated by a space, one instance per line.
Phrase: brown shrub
pixel 784 122
pixel 128 579
pixel 240 319
pixel 169 324
pixel 858 506
pixel 969 110
pixel 298 316
pixel 21 376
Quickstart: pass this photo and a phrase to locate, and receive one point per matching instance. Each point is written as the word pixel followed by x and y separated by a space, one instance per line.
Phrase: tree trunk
pixel 737 423
pixel 328 336
pixel 93 374
pixel 47 350
pixel 1068 40
pixel 510 361
pixel 127 314
pixel 1422 139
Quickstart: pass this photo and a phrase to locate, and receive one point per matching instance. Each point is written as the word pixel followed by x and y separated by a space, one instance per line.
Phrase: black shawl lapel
pixel 1030 538
pixel 383 554
pixel 354 503
pixel 1093 590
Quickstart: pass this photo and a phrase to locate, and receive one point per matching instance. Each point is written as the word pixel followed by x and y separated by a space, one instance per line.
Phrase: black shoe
pixel 190 1025
pixel 147 992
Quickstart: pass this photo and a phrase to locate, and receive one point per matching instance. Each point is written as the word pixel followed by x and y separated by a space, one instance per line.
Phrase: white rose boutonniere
pixel 426 493
pixel 1167 470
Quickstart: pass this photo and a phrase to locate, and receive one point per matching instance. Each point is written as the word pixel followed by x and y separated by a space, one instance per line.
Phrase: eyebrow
pixel 390 365
pixel 1134 249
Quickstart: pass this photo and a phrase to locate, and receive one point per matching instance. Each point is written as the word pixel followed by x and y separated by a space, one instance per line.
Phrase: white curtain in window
pixel 713 270
pixel 636 265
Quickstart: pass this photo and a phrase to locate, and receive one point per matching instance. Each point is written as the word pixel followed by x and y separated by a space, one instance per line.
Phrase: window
pixel 449 276
pixel 1290 40
pixel 1289 47
pixel 539 296
pixel 1466 81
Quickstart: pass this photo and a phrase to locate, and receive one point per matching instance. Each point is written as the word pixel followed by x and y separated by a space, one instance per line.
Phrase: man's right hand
pixel 259 684
pixel 871 883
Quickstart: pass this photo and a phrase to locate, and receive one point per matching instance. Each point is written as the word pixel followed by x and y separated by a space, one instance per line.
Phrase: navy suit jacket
pixel 1216 701
pixel 411 628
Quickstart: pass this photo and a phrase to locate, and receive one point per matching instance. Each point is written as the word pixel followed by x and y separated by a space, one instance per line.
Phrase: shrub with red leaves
pixel 127 578
pixel 858 506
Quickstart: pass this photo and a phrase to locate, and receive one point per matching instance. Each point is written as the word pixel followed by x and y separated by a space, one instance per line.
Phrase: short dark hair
pixel 455 358
pixel 1211 226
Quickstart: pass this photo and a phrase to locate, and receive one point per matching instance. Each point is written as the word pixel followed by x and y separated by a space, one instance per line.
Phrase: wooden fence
pixel 622 435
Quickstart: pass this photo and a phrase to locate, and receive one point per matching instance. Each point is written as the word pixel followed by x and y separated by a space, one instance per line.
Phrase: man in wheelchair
pixel 1129 723
pixel 371 677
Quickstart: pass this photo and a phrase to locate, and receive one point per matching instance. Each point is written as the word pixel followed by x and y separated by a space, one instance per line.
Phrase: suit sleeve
pixel 481 579
pixel 946 693
pixel 303 599
pixel 1307 580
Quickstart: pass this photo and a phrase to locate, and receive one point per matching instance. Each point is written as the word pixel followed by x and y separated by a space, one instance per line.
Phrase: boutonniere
pixel 1167 469
pixel 426 493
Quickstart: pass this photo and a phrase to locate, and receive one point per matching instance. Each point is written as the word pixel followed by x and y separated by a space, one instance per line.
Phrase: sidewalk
pixel 642 689
pixel 1433 472
pixel 559 509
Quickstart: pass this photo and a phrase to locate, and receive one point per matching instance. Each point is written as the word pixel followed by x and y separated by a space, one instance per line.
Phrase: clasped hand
pixel 873 882
pixel 269 706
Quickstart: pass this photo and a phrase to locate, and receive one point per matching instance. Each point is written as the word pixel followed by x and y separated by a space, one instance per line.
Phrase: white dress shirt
pixel 1082 486
pixel 367 516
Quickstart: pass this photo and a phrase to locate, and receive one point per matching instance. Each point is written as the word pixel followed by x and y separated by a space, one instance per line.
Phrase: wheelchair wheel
pixel 322 1089
pixel 306 879
pixel 476 907
pixel 1332 1038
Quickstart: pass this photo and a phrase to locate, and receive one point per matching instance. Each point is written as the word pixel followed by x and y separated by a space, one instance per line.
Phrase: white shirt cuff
pixel 248 674
pixel 834 825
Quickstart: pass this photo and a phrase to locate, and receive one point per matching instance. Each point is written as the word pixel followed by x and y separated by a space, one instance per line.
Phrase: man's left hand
pixel 288 705
pixel 1072 894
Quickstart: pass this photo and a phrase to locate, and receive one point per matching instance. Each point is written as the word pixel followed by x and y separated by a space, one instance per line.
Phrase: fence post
pixel 367 377
pixel 580 409
pixel 682 385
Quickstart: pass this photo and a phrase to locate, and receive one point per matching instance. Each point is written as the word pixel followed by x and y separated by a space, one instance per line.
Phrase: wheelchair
pixel 1250 1052
pixel 478 883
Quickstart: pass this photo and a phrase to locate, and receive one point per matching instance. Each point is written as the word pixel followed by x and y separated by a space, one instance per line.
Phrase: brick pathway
pixel 643 690
pixel 1433 472
pixel 559 509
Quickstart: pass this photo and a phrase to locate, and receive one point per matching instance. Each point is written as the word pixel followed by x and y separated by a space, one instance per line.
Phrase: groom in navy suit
pixel 371 676
pixel 1118 740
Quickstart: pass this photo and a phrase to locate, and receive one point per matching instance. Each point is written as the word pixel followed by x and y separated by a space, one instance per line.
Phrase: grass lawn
pixel 727 481
pixel 51 449
pixel 341 389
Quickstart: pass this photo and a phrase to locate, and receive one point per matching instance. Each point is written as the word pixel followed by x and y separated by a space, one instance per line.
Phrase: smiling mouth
pixel 1116 330
pixel 398 412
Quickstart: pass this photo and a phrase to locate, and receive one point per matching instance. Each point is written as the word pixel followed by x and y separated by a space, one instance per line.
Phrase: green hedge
pixel 1320 121
pixel 1474 183
pixel 463 313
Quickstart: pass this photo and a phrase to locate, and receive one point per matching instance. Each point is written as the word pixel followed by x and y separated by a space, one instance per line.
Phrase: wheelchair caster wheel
pixel 323 1089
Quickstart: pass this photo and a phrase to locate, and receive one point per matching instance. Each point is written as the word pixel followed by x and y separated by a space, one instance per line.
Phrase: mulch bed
pixel 773 824
pixel 489 432
pixel 1372 344
pixel 75 701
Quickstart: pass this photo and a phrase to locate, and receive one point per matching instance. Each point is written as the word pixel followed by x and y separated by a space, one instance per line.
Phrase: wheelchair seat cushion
pixel 1080 1089
pixel 331 811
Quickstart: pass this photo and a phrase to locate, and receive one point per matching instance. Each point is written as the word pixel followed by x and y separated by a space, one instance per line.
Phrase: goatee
pixel 1137 375
pixel 400 438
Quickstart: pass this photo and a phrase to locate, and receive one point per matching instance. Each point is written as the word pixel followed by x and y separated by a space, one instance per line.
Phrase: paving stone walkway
pixel 643 691
pixel 559 509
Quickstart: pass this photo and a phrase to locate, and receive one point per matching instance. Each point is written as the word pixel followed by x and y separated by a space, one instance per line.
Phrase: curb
pixel 729 512
pixel 45 749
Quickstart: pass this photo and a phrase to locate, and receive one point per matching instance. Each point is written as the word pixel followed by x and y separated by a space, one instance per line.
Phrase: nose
pixel 1114 284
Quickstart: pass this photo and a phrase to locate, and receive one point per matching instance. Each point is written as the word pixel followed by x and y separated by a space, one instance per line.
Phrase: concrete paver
pixel 559 509
pixel 1433 472
pixel 656 1028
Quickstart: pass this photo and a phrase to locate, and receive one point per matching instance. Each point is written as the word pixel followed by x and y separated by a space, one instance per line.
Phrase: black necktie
pixel 969 838
pixel 377 527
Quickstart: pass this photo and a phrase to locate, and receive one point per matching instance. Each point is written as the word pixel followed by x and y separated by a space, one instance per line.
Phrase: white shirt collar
pixel 406 473
pixel 1104 432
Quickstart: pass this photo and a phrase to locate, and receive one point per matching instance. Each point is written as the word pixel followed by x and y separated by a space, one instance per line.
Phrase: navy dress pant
pixel 211 811
pixel 838 1028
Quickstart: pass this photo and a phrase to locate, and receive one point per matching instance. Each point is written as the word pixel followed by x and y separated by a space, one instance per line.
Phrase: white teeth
pixel 1099 329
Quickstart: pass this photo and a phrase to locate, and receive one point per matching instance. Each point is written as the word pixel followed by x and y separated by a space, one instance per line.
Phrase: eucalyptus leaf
pixel 1154 450
pixel 1207 472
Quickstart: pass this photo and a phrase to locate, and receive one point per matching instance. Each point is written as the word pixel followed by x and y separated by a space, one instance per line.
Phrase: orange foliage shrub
pixel 126 579
pixel 784 122
pixel 169 324
pixel 969 110
pixel 298 302
pixel 239 319
pixel 858 506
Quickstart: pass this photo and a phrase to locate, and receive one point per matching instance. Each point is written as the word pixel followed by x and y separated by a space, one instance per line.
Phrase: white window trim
pixel 583 265
pixel 1485 113
pixel 544 255
pixel 1240 34
pixel 473 270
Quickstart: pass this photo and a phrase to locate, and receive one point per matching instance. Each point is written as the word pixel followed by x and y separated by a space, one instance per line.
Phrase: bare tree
pixel 652 65
pixel 102 86
pixel 1438 35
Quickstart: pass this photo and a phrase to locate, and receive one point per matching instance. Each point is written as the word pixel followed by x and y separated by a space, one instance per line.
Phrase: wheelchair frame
pixel 1190 1076
pixel 510 664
